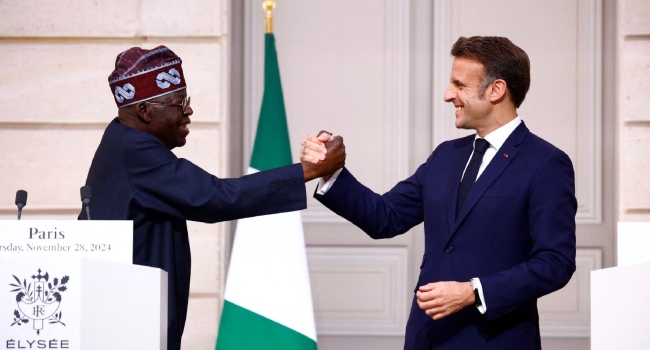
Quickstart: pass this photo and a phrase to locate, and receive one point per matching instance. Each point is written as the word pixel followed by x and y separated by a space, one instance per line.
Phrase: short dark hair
pixel 501 59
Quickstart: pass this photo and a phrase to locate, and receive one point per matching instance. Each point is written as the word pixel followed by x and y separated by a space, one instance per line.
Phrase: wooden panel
pixel 359 291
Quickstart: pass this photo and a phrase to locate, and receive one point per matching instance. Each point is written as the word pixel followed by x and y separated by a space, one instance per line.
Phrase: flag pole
pixel 269 6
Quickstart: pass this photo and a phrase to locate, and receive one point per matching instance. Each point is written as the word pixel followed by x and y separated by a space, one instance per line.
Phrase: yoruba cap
pixel 141 75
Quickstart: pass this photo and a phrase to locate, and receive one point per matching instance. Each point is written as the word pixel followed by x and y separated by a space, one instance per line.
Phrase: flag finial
pixel 269 6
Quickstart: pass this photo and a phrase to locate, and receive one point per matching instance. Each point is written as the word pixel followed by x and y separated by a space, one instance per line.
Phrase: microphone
pixel 21 200
pixel 86 196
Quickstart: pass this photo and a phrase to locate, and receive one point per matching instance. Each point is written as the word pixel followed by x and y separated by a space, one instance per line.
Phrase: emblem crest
pixel 38 300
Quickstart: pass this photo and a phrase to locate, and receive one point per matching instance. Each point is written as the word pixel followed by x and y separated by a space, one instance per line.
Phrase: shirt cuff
pixel 477 284
pixel 324 186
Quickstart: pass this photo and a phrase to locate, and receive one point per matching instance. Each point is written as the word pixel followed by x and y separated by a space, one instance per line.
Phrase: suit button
pixel 450 249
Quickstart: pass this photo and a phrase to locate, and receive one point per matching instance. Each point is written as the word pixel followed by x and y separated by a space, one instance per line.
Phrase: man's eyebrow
pixel 457 82
pixel 180 98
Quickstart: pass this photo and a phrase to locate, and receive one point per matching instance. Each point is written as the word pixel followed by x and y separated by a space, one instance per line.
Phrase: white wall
pixel 633 54
pixel 55 59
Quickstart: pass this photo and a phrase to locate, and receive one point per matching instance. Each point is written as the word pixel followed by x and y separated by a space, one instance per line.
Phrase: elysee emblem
pixel 38 300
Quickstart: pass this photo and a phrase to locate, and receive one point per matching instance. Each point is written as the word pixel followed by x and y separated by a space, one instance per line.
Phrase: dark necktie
pixel 480 145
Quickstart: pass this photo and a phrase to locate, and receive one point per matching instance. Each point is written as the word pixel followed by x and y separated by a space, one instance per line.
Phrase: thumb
pixel 324 136
pixel 426 287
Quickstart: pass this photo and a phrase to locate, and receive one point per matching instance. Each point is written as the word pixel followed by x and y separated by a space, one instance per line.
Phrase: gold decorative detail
pixel 269 6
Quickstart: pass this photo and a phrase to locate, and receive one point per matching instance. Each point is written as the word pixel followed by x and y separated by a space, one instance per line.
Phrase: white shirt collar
pixel 498 137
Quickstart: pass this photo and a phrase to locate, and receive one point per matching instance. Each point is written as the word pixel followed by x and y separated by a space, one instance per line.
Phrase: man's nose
pixel 450 95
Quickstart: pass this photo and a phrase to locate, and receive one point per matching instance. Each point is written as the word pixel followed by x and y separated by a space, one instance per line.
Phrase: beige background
pixel 371 70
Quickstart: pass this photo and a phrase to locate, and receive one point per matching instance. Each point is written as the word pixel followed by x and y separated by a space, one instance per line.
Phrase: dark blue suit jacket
pixel 133 176
pixel 516 232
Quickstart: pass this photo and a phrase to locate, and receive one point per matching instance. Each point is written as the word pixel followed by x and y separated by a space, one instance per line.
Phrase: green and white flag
pixel 268 302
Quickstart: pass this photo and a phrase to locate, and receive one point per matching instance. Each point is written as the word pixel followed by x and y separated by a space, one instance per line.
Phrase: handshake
pixel 322 155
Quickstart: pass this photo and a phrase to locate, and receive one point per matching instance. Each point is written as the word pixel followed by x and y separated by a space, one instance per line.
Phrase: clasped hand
pixel 322 155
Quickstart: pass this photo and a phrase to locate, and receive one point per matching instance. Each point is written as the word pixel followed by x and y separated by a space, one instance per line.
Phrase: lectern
pixel 620 302
pixel 71 285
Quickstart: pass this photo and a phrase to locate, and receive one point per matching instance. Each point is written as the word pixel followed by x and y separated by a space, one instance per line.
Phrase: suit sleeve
pixel 379 216
pixel 551 216
pixel 162 182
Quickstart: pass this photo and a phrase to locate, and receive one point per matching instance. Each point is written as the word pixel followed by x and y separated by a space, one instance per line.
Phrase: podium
pixel 71 285
pixel 620 306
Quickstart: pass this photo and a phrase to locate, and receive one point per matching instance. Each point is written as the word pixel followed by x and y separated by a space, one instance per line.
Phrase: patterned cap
pixel 141 75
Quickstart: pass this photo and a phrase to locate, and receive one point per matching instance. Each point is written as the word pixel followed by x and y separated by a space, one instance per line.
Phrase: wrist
pixel 307 171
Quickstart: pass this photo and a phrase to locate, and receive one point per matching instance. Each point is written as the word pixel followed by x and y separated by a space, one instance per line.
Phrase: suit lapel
pixel 498 164
pixel 460 157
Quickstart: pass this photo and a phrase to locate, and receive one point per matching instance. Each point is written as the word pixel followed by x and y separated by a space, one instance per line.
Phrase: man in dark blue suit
pixel 498 209
pixel 135 176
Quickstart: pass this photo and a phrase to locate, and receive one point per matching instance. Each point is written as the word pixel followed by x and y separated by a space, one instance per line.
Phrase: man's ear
pixel 143 111
pixel 498 90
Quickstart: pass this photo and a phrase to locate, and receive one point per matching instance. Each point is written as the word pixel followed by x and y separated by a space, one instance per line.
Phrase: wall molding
pixel 442 60
pixel 589 131
pixel 387 266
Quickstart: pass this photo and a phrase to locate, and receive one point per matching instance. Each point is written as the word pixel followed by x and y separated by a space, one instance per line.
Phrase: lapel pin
pixel 505 155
